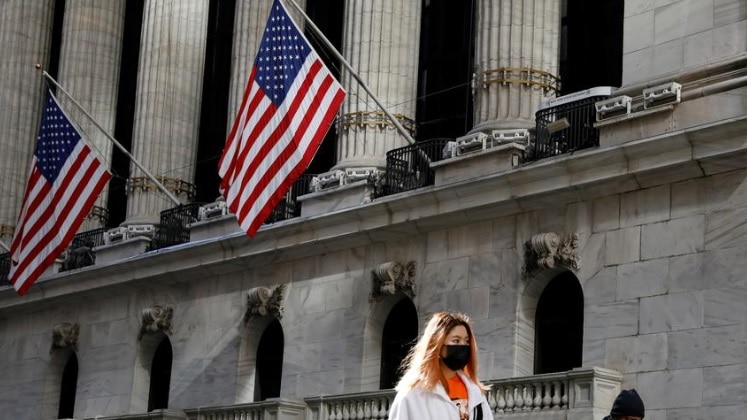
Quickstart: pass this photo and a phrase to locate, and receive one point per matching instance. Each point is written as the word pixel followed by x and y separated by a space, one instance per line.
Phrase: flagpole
pixel 339 56
pixel 147 173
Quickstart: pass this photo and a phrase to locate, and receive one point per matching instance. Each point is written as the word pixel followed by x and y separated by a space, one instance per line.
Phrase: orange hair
pixel 422 365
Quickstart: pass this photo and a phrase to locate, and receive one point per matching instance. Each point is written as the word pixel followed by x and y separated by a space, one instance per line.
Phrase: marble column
pixel 250 19
pixel 167 109
pixel 89 71
pixel 381 41
pixel 516 61
pixel 25 36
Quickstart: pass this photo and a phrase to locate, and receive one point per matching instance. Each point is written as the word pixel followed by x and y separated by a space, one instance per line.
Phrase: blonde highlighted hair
pixel 422 365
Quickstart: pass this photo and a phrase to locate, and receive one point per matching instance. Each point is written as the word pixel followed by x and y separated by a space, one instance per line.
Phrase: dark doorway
pixel 269 362
pixel 215 90
pixel 120 163
pixel 444 107
pixel 559 323
pixel 328 16
pixel 591 41
pixel 160 376
pixel 67 388
pixel 399 335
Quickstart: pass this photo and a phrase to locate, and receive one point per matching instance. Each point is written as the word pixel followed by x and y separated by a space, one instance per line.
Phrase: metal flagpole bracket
pixel 119 146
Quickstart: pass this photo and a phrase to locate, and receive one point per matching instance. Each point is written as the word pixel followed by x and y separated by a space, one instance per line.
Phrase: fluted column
pixel 381 41
pixel 167 109
pixel 25 35
pixel 516 61
pixel 250 19
pixel 89 70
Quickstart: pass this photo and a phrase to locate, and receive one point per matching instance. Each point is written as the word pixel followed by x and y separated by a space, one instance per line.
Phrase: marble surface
pixel 661 213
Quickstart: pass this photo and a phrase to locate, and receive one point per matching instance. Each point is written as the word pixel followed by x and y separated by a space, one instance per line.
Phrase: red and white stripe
pixel 269 147
pixel 52 214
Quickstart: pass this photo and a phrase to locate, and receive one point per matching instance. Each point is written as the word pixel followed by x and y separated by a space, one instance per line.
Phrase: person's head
pixel 627 406
pixel 442 341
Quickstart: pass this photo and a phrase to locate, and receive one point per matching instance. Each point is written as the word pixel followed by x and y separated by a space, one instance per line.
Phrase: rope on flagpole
pixel 339 56
pixel 119 146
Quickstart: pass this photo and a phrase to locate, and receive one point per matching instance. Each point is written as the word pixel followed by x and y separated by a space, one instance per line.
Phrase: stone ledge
pixel 584 175
pixel 478 164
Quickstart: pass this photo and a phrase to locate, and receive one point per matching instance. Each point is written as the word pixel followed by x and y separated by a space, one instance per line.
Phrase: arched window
pixel 399 334
pixel 559 324
pixel 269 362
pixel 67 388
pixel 160 376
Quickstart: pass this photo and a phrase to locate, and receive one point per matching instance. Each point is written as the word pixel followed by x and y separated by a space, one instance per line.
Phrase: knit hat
pixel 628 403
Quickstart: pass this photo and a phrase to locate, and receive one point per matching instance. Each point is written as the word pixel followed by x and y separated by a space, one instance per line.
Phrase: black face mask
pixel 457 356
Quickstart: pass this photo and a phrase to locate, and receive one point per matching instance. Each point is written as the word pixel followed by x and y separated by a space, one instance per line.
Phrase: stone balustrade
pixel 578 394
pixel 273 409
pixel 583 393
pixel 359 406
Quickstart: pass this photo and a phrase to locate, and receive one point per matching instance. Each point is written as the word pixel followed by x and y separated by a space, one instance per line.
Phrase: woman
pixel 440 381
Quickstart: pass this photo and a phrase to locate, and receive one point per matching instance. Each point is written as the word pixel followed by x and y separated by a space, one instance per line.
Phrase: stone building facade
pixel 614 265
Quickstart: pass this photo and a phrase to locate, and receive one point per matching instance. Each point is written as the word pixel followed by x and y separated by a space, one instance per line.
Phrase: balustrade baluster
pixel 491 399
pixel 556 395
pixel 510 394
pixel 564 398
pixel 527 397
pixel 537 401
pixel 374 409
pixel 384 408
pixel 359 410
pixel 501 404
pixel 547 397
pixel 367 410
pixel 337 413
pixel 346 410
pixel 519 398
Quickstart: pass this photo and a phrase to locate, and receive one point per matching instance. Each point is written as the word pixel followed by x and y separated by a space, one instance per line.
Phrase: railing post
pixel 591 393
pixel 284 409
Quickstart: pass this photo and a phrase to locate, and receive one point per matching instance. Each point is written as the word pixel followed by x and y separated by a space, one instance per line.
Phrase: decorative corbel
pixel 65 335
pixel 263 301
pixel 392 277
pixel 156 318
pixel 549 250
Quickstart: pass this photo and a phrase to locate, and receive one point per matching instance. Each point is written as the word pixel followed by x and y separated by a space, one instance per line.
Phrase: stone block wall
pixel 666 36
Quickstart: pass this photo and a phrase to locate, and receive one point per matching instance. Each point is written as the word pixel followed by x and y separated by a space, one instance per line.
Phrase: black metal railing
pixel 4 269
pixel 80 252
pixel 409 167
pixel 173 228
pixel 289 207
pixel 565 128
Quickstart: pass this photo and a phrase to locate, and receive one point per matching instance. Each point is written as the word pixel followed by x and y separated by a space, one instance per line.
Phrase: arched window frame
pixel 526 318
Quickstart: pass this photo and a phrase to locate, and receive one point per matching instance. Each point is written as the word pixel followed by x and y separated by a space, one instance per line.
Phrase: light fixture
pixel 558 125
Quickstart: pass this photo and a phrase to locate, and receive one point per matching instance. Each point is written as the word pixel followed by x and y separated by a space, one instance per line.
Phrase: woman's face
pixel 456 335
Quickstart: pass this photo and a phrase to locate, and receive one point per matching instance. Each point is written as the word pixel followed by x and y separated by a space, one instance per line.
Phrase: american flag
pixel 65 180
pixel 289 104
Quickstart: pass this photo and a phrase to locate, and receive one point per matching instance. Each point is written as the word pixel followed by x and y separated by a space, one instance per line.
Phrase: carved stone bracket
pixel 156 318
pixel 263 301
pixel 549 250
pixel 392 277
pixel 65 335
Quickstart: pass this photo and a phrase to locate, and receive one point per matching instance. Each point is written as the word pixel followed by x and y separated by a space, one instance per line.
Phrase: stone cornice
pixel 584 175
